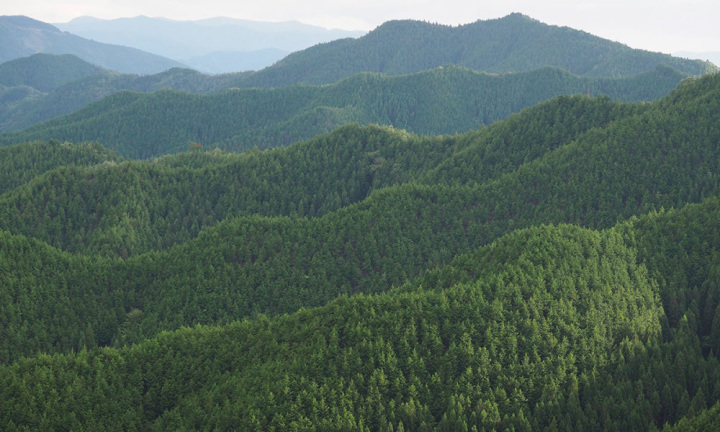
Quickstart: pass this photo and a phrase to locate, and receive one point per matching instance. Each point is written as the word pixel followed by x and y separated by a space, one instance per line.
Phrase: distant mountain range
pixel 217 45
pixel 21 36
pixel 531 60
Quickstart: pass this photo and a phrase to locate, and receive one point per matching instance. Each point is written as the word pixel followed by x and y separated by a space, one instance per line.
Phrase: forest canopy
pixel 556 270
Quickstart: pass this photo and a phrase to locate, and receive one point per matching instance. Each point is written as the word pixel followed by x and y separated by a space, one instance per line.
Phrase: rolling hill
pixel 546 326
pixel 441 101
pixel 556 270
pixel 383 206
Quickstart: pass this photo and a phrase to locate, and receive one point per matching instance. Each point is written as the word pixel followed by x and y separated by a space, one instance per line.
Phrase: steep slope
pixel 546 326
pixel 592 162
pixel 21 36
pixel 551 325
pixel 398 232
pixel 184 193
pixel 515 43
pixel 440 101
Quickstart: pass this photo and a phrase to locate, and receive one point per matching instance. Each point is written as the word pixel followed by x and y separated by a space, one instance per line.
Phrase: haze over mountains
pixel 426 103
pixel 539 256
pixel 21 36
pixel 217 45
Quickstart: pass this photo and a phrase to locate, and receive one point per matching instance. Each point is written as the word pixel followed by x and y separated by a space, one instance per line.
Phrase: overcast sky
pixel 659 25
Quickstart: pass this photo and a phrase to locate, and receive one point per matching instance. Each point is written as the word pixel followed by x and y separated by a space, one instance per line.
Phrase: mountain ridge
pixel 445 100
pixel 22 36
pixel 514 43
pixel 525 275
pixel 31 71
pixel 556 270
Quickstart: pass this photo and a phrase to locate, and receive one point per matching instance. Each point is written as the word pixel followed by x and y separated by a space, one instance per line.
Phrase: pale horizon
pixel 661 26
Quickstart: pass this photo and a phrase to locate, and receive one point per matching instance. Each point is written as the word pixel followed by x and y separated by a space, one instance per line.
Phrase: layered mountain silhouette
pixel 557 270
pixel 216 45
pixel 21 36
pixel 445 100
pixel 514 43
pixel 44 86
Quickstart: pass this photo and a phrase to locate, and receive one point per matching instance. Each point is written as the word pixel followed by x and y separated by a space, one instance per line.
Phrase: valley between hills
pixel 423 228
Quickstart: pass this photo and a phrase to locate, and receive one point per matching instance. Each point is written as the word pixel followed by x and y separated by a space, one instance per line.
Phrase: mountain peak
pixel 517 16
pixel 514 43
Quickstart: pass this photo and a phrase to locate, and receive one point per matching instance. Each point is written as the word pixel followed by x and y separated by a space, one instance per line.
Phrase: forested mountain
pixel 552 327
pixel 22 106
pixel 193 42
pixel 21 36
pixel 515 43
pixel 601 162
pixel 306 179
pixel 440 101
pixel 45 72
pixel 21 163
pixel 556 270
pixel 27 81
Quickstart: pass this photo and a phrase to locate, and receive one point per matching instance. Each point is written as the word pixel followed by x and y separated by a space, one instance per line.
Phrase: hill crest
pixel 514 43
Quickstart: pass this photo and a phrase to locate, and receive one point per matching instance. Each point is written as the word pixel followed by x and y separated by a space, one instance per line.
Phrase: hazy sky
pixel 658 25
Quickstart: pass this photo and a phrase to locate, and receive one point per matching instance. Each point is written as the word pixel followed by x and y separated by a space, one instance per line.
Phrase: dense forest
pixel 515 43
pixel 34 71
pixel 445 100
pixel 556 270
pixel 43 86
pixel 526 53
